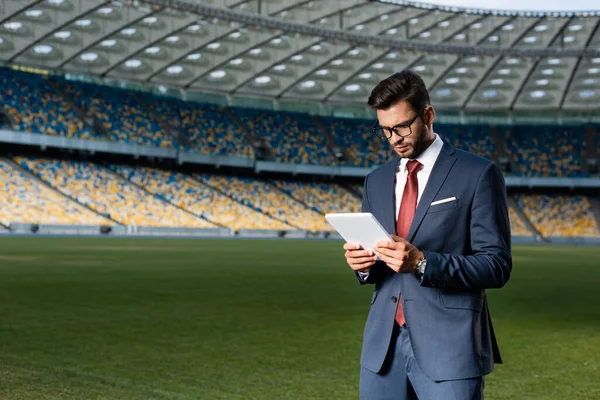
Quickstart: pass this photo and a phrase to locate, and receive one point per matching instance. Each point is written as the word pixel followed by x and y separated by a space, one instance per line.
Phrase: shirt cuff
pixel 363 275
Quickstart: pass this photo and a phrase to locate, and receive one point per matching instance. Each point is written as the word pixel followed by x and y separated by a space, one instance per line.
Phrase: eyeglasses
pixel 400 130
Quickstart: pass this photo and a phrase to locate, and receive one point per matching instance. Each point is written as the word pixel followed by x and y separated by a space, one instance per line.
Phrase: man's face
pixel 420 138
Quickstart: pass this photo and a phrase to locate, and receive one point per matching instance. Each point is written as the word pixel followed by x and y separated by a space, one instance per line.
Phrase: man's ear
pixel 429 116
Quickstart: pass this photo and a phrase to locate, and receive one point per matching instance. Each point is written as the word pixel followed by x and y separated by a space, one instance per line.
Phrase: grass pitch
pixel 106 318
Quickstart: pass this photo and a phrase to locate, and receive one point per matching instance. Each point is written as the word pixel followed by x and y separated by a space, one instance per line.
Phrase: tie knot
pixel 413 166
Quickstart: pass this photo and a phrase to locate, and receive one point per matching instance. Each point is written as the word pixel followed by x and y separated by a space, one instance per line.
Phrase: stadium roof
pixel 319 51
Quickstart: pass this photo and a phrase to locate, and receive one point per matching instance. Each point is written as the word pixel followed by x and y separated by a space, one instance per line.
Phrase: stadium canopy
pixel 318 51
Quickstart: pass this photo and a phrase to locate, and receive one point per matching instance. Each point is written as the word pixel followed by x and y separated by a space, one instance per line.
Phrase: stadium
pixel 157 155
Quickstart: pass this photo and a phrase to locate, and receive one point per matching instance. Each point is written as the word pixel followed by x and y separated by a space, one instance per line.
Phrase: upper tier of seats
pixel 356 138
pixel 121 114
pixel 208 129
pixel 35 106
pixel 473 138
pixel 546 150
pixel 293 137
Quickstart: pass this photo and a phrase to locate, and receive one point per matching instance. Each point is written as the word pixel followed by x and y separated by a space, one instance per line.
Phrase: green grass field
pixel 99 318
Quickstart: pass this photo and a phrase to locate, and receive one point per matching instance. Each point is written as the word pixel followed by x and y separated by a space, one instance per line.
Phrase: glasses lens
pixel 381 133
pixel 402 130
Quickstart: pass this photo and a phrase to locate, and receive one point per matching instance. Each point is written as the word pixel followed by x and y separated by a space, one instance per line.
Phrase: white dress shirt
pixel 427 159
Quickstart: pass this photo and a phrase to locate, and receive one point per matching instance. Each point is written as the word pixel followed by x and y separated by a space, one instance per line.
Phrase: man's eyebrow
pixel 399 123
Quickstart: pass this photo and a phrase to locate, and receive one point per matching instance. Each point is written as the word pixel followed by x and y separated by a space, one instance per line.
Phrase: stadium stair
pixel 595 206
pixel 261 148
pixel 90 121
pixel 158 196
pixel 351 189
pixel 534 232
pixel 333 148
pixel 501 152
pixel 5 118
pixel 46 184
pixel 176 134
pixel 291 196
pixel 244 204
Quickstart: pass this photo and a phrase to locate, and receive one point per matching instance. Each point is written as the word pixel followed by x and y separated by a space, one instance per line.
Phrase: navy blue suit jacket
pixel 467 245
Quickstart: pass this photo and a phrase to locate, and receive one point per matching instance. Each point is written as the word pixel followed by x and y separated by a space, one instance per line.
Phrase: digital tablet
pixel 361 228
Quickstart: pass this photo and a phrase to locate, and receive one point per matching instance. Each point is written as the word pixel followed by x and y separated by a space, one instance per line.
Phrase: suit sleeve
pixel 490 264
pixel 379 268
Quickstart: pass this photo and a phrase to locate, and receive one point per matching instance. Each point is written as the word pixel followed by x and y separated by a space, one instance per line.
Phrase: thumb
pixel 398 239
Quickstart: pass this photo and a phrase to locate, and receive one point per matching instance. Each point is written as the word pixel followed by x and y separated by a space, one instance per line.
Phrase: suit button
pixel 394 299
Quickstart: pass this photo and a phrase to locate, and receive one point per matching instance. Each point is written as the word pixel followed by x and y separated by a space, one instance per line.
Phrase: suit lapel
pixel 387 196
pixel 438 176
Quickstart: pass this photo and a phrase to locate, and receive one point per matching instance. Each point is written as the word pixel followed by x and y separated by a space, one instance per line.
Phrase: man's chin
pixel 410 153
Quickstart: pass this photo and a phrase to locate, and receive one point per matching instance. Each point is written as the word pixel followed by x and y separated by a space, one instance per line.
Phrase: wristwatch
pixel 421 267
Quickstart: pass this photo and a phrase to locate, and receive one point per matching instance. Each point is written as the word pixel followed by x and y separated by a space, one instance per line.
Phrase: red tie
pixel 408 206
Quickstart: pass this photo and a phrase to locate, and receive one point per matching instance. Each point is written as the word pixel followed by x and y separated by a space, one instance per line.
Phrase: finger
pixel 398 253
pixel 393 263
pixel 361 260
pixel 399 239
pixel 351 246
pixel 385 244
pixel 358 267
pixel 359 253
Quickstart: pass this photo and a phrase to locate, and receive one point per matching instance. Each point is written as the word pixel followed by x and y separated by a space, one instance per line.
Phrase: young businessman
pixel 429 335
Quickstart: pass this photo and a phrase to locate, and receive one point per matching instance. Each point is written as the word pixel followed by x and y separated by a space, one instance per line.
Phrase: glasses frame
pixel 376 128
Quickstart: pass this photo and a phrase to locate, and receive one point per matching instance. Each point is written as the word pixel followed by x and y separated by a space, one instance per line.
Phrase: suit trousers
pixel 402 379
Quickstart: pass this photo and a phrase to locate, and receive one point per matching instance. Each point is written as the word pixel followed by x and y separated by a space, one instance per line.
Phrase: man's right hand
pixel 359 259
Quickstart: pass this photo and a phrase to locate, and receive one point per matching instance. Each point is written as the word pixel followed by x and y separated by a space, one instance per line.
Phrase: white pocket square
pixel 443 201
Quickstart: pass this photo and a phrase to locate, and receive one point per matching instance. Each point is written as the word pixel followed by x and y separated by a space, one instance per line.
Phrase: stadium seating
pixel 35 106
pixel 25 200
pixel 554 215
pixel 208 128
pixel 267 198
pixel 517 225
pixel 321 197
pixel 545 151
pixel 199 199
pixel 473 138
pixel 356 137
pixel 121 115
pixel 107 194
pixel 293 137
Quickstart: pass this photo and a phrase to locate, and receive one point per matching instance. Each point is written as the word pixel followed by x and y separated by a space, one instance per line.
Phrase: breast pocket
pixel 462 301
pixel 449 205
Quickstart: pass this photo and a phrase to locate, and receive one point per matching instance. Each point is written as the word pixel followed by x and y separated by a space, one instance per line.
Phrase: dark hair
pixel 406 86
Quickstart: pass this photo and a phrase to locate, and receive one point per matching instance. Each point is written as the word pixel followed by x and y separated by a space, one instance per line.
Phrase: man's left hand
pixel 400 255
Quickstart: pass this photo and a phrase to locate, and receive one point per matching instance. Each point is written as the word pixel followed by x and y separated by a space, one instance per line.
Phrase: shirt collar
pixel 426 158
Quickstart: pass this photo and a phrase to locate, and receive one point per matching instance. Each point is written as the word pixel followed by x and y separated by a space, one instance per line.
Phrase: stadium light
pixel 133 64
pixel 219 74
pixel 43 49
pixel 89 57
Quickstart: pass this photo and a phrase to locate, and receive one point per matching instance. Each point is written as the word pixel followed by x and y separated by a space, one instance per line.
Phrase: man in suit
pixel 429 335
